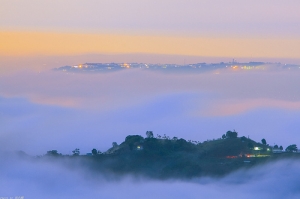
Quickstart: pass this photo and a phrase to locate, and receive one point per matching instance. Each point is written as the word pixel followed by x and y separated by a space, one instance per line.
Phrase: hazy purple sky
pixel 232 17
pixel 53 110
pixel 43 110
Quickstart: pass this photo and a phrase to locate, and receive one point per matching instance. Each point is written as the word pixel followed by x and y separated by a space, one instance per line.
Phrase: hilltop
pixel 163 157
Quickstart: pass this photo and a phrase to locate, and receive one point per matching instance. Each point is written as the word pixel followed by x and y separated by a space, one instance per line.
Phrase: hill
pixel 165 158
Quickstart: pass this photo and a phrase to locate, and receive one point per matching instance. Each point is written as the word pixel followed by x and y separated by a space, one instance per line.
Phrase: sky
pixel 52 110
pixel 39 105
pixel 42 109
pixel 230 29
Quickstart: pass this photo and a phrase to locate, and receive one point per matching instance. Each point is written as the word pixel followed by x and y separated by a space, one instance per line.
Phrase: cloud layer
pixel 52 110
pixel 48 179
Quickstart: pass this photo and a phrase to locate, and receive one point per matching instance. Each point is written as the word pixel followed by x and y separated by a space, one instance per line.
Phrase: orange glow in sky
pixel 19 43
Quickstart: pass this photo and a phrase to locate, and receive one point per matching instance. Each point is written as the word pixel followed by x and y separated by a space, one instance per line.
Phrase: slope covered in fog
pixel 70 178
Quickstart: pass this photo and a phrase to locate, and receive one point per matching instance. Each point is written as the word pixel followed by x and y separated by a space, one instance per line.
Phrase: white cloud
pixel 48 179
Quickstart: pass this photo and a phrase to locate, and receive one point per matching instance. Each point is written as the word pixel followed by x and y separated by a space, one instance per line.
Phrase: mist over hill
pixel 156 167
pixel 47 111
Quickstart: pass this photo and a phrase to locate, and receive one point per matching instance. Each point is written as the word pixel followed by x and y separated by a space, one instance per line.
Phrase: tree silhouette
pixel 149 134
pixel 76 152
pixel 114 144
pixel 281 148
pixel 94 152
pixel 231 134
pixel 263 141
pixel 53 152
pixel 292 148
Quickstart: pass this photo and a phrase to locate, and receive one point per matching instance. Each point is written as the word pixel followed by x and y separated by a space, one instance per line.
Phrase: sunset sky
pixel 240 29
pixel 42 109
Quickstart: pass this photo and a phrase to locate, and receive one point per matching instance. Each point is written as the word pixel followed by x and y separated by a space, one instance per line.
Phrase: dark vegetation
pixel 164 157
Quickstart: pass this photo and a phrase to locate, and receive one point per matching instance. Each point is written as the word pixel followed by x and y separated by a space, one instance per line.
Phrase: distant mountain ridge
pixel 196 67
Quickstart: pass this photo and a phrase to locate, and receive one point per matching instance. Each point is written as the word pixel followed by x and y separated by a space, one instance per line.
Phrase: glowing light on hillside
pixel 257 148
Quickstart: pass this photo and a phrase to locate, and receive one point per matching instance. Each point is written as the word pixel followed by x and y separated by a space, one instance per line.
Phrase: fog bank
pixel 48 179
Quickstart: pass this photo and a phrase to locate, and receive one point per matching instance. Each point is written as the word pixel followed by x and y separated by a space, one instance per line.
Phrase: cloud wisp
pixel 122 89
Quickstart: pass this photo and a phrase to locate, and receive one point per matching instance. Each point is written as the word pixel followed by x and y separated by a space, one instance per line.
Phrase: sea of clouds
pixel 47 110
pixel 52 179
pixel 41 111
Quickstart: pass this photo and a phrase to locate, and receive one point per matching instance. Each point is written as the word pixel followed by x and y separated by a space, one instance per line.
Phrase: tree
pixel 223 136
pixel 263 141
pixel 231 134
pixel 133 139
pixel 76 152
pixel 281 148
pixel 94 152
pixel 149 134
pixel 53 152
pixel 292 148
pixel 114 144
pixel 276 146
pixel 175 138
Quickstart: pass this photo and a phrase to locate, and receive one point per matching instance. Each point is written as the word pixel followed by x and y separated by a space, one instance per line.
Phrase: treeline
pixel 165 157
pixel 136 140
